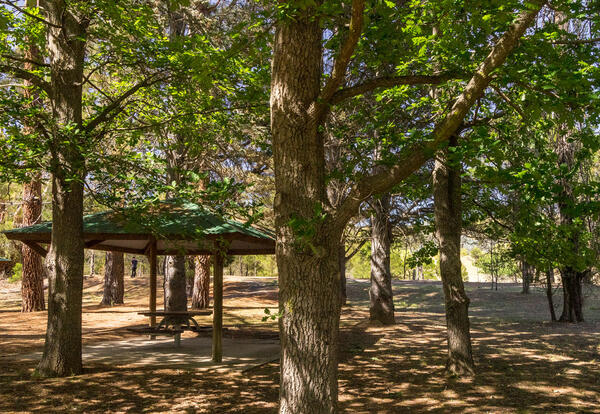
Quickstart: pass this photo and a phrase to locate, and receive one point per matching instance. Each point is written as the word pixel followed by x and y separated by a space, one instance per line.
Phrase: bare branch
pixel 341 62
pixel 356 250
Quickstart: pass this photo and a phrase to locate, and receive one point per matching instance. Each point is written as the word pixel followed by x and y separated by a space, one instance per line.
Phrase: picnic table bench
pixel 174 322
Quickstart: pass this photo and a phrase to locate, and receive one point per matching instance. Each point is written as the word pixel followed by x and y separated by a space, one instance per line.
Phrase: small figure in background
pixel 134 264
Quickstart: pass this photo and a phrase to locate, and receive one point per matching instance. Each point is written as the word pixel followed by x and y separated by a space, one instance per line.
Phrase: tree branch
pixel 480 121
pixel 413 157
pixel 25 60
pixel 341 61
pixel 389 82
pixel 33 16
pixel 356 250
pixel 26 75
pixel 509 102
pixel 576 41
pixel 114 108
pixel 491 215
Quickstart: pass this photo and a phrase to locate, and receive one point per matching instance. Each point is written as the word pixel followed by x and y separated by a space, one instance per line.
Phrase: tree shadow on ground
pixel 524 365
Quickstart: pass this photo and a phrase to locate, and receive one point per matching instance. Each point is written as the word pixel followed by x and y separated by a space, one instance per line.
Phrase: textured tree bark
pixel 175 293
pixel 549 280
pixel 64 262
pixel 448 226
pixel 527 276
pixel 572 295
pixel 342 261
pixel 309 271
pixel 32 282
pixel 571 279
pixel 201 293
pixel 92 263
pixel 189 279
pixel 308 231
pixel 381 296
pixel 114 272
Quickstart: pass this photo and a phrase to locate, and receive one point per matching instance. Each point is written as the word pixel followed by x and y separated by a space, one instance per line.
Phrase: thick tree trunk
pixel 342 262
pixel 448 226
pixel 32 282
pixel 64 262
pixel 114 272
pixel 527 276
pixel 571 279
pixel 382 300
pixel 201 293
pixel 549 281
pixel 175 293
pixel 307 253
pixel 572 295
pixel 307 230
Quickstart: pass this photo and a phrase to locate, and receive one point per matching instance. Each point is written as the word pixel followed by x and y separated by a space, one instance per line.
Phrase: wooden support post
pixel 152 260
pixel 217 350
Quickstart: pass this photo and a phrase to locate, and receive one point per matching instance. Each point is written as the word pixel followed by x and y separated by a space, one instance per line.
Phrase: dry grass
pixel 524 363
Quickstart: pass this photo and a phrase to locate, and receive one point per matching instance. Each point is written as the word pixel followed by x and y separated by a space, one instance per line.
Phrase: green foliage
pixel 17 273
pixel 424 255
pixel 271 316
pixel 497 261
pixel 359 266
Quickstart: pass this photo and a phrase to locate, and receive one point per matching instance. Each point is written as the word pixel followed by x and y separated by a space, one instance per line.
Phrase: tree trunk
pixel 92 263
pixel 571 279
pixel 448 226
pixel 527 276
pixel 342 262
pixel 549 280
pixel 201 293
pixel 307 252
pixel 572 294
pixel 175 293
pixel 114 272
pixel 64 262
pixel 382 300
pixel 32 282
pixel 189 278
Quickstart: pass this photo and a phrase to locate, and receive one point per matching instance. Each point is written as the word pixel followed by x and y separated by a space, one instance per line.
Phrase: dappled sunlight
pixel 523 362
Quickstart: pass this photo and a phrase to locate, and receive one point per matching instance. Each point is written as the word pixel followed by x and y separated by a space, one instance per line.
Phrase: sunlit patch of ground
pixel 524 363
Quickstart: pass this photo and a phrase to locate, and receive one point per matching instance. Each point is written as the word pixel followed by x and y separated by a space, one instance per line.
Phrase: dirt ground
pixel 524 363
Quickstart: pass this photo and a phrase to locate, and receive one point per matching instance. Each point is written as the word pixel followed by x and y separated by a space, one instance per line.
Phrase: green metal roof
pixel 168 221
pixel 3 259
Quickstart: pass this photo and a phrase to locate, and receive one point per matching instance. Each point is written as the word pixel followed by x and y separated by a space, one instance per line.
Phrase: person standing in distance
pixel 134 263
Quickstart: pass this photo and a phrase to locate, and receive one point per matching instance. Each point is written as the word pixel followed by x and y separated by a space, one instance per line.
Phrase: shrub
pixel 17 273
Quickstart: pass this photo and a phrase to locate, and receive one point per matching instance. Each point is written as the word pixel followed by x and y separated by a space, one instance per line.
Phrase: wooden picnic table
pixel 174 322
